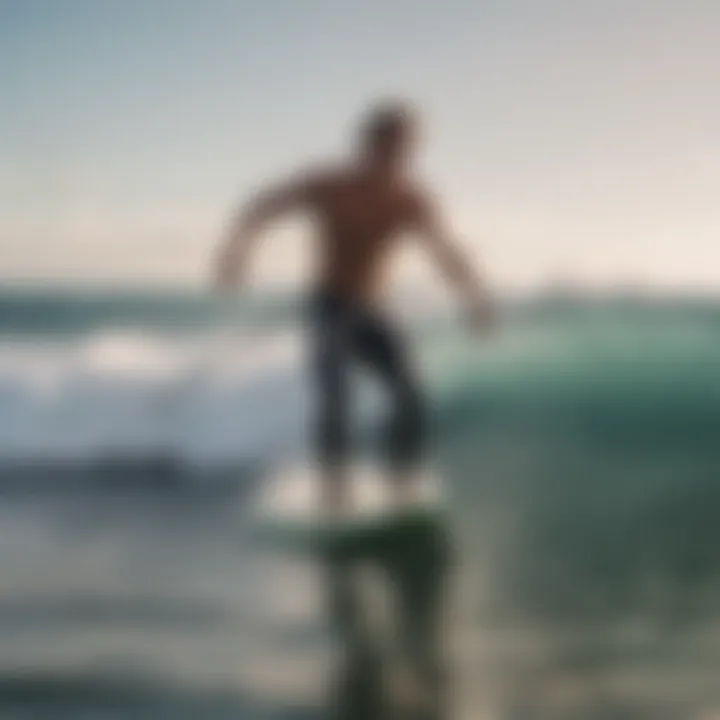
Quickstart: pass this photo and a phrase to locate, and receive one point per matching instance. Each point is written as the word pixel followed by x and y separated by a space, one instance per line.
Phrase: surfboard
pixel 288 509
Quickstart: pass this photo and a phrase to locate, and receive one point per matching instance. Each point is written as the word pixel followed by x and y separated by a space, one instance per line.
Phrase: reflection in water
pixel 403 679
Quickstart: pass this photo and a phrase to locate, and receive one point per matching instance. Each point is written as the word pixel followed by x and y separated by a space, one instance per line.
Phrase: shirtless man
pixel 361 210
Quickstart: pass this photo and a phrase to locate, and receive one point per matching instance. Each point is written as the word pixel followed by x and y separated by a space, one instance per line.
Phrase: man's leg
pixel 332 357
pixel 382 348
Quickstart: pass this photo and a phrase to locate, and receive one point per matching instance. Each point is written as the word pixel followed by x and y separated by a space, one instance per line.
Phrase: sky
pixel 569 139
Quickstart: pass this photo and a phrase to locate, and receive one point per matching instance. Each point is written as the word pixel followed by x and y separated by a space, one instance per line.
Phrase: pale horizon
pixel 571 141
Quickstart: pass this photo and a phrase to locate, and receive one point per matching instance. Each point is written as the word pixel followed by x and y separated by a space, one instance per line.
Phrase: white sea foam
pixel 227 398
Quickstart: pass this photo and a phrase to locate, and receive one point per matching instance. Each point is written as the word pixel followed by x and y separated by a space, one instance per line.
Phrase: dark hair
pixel 386 122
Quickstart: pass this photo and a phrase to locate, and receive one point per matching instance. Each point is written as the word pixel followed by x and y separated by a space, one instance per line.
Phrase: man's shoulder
pixel 327 175
pixel 416 196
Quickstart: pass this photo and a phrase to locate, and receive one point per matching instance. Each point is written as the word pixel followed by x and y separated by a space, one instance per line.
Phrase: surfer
pixel 361 208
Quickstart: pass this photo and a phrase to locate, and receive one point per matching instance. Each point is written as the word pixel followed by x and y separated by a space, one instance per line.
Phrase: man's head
pixel 387 134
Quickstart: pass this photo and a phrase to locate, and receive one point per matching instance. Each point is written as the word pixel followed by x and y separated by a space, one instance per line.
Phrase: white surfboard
pixel 288 508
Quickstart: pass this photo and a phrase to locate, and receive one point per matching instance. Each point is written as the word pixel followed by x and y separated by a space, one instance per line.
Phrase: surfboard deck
pixel 288 510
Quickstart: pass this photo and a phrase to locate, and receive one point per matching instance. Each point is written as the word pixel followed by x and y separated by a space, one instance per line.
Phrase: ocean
pixel 580 445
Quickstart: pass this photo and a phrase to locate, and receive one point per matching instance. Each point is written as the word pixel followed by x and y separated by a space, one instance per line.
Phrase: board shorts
pixel 344 334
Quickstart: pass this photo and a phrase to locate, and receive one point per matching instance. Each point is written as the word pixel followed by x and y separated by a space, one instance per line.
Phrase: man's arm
pixel 435 235
pixel 267 206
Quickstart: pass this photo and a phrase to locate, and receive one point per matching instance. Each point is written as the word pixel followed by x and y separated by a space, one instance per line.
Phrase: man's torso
pixel 360 221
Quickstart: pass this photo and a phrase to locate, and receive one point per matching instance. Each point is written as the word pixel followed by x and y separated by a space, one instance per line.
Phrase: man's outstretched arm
pixel 452 261
pixel 248 224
